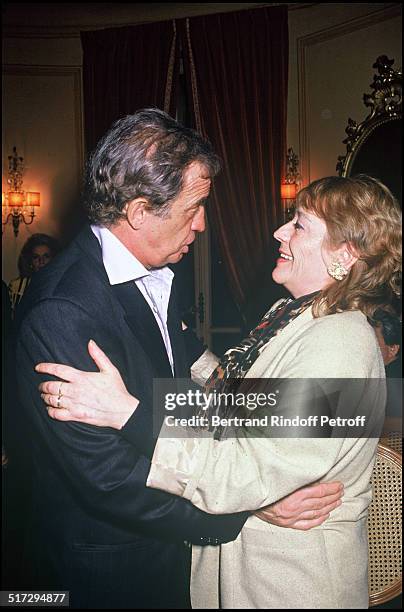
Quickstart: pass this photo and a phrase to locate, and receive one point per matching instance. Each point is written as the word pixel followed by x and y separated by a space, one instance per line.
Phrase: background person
pixel 340 258
pixel 36 253
pixel 387 327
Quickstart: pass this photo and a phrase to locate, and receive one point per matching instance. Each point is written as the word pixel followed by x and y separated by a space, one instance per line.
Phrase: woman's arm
pixel 241 472
pixel 101 399
pixel 247 472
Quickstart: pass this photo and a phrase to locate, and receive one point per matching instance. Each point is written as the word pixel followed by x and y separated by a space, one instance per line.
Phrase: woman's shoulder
pixel 344 329
pixel 344 339
pixel 344 323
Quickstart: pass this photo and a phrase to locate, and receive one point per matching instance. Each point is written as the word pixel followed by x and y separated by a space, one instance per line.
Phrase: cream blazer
pixel 268 566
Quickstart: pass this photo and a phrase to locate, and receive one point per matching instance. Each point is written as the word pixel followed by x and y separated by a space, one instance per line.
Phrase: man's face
pixel 166 238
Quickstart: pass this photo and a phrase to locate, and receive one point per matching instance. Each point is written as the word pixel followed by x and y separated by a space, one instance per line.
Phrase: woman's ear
pixel 346 255
pixel 136 212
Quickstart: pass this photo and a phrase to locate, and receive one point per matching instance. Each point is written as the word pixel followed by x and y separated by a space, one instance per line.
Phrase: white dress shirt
pixel 121 266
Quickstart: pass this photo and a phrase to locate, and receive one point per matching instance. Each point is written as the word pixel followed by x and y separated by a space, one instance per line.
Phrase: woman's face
pixel 303 254
pixel 41 255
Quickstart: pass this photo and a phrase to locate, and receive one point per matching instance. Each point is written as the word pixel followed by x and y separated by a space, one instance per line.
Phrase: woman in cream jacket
pixel 340 259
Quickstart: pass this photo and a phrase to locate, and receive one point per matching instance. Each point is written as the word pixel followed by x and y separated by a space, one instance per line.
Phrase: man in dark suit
pixel 96 529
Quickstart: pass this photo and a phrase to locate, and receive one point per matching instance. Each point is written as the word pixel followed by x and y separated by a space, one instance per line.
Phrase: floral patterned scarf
pixel 238 360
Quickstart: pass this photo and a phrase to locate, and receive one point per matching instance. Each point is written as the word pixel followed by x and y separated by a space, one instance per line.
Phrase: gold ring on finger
pixel 60 390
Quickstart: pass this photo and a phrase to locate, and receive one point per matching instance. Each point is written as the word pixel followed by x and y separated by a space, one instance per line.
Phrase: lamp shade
pixel 288 191
pixel 15 198
pixel 33 198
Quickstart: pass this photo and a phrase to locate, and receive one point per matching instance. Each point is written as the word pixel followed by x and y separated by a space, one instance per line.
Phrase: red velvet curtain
pixel 125 69
pixel 237 64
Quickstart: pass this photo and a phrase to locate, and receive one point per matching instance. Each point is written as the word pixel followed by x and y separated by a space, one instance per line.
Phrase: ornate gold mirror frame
pixel 380 130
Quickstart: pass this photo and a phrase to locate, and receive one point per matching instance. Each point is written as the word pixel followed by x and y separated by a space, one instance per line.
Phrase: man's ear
pixel 136 212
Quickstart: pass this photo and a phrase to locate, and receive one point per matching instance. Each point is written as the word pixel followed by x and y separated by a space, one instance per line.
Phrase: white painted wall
pixel 332 50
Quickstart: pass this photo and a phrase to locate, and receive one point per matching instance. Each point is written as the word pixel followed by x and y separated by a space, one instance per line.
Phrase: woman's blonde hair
pixel 361 212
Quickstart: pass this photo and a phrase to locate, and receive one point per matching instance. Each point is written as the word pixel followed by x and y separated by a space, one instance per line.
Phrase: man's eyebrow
pixel 200 202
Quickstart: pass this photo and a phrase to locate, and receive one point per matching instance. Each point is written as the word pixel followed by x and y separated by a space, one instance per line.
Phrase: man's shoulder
pixel 76 275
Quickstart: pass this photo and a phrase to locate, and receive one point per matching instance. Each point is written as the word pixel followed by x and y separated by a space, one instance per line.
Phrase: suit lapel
pixel 141 321
pixel 138 315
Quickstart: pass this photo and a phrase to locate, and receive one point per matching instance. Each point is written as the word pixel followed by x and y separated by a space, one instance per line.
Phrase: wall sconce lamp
pixel 16 203
pixel 290 185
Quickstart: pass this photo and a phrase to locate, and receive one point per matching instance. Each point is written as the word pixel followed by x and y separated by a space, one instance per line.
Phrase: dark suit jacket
pixel 96 529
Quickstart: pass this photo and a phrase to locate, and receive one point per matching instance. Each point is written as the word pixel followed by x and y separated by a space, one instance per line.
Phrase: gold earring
pixel 337 270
